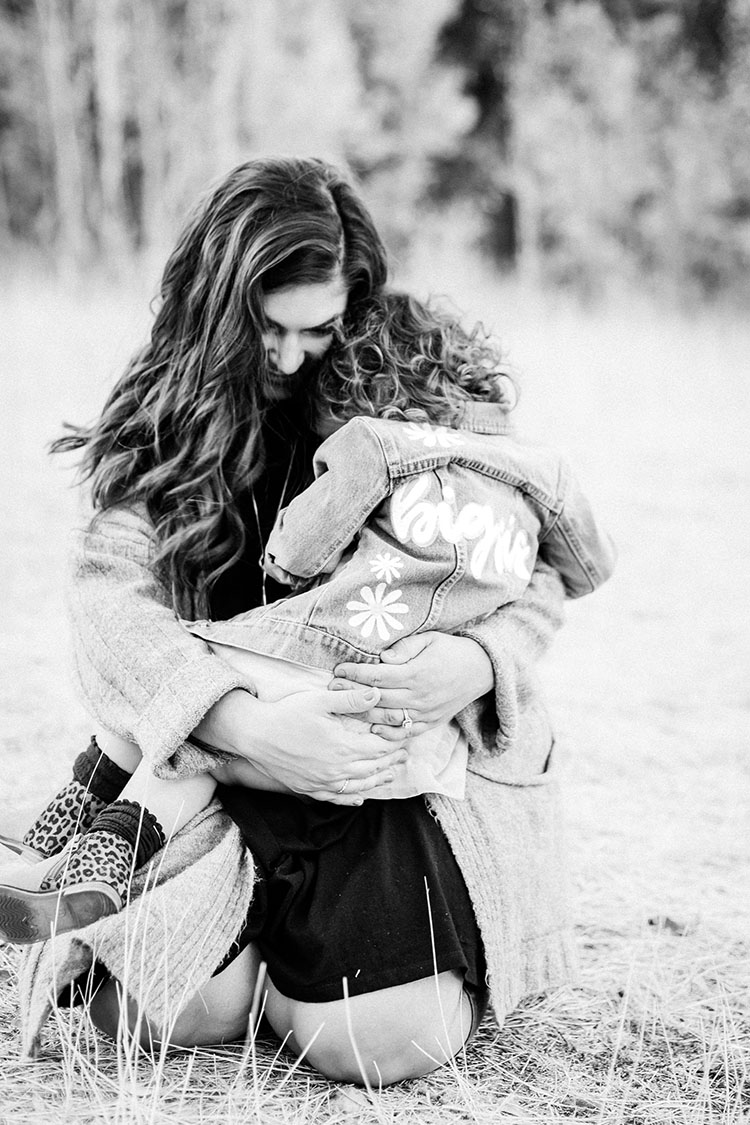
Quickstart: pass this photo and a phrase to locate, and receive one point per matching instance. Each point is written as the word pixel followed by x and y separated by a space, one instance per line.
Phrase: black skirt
pixel 372 894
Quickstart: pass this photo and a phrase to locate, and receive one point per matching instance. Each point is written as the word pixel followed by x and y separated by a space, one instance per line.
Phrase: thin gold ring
pixel 343 787
pixel 407 723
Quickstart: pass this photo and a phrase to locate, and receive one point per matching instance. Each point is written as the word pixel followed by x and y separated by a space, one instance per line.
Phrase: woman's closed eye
pixel 318 331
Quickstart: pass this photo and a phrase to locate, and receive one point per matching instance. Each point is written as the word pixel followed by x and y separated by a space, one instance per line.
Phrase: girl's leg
pixel 92 877
pixel 124 753
pixel 100 773
pixel 173 802
pixel 131 830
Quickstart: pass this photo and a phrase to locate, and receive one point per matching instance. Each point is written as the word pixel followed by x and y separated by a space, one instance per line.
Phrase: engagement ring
pixel 408 722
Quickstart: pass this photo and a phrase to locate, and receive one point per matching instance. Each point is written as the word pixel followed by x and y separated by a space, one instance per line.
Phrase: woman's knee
pixel 392 1034
pixel 218 1013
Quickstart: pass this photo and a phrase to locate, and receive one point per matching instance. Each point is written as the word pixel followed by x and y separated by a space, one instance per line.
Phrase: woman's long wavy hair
pixel 181 431
pixel 401 358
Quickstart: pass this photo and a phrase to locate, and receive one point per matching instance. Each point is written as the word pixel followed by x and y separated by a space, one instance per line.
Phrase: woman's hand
pixel 305 743
pixel 432 676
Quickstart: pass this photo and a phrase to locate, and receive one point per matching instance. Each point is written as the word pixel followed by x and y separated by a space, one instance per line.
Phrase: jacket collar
pixel 486 418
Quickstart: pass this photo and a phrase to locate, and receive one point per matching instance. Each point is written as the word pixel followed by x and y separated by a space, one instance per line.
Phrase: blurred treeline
pixel 572 142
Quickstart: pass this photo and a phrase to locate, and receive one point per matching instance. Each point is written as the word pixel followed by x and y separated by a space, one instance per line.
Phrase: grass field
pixel 648 683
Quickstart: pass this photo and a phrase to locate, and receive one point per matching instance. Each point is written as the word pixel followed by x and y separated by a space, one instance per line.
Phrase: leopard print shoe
pixel 97 781
pixel 97 857
pixel 27 917
pixel 73 810
pixel 89 881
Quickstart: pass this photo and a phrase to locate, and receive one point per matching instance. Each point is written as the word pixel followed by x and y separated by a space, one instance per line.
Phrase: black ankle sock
pixel 135 824
pixel 96 782
pixel 99 774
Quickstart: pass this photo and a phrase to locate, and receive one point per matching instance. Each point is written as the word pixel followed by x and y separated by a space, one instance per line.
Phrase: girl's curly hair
pixel 400 358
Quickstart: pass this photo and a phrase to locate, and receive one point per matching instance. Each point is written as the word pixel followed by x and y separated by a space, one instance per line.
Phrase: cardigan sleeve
pixel 514 637
pixel 141 674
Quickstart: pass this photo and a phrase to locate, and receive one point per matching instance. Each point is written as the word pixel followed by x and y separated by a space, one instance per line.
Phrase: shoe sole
pixel 28 917
pixel 23 851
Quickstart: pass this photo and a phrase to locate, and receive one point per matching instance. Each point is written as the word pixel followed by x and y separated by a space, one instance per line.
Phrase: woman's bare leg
pixel 394 1033
pixel 218 1013
pixel 400 1032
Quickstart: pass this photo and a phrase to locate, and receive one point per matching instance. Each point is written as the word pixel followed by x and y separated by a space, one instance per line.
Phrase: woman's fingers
pixel 355 792
pixel 367 772
pixel 390 734
pixel 391 669
pixel 329 797
pixel 357 676
pixel 391 699
pixel 389 723
pixel 397 734
pixel 374 782
pixel 352 701
pixel 390 717
pixel 413 675
pixel 363 777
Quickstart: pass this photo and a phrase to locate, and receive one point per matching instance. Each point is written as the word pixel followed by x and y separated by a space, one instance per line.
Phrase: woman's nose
pixel 288 354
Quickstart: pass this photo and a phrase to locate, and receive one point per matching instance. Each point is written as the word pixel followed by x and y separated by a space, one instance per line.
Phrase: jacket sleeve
pixel 575 544
pixel 351 480
pixel 514 637
pixel 141 674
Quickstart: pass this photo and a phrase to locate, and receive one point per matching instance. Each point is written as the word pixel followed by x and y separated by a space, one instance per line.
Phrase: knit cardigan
pixel 143 676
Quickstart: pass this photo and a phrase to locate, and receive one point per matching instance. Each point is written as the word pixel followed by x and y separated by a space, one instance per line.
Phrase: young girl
pixel 426 513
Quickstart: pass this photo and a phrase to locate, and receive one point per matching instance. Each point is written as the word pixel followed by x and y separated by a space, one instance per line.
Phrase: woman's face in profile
pixel 301 323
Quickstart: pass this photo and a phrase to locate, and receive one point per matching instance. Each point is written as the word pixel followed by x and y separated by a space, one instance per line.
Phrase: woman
pixel 382 923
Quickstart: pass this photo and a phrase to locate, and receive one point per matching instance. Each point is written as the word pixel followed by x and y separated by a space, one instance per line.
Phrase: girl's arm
pixel 351 480
pixel 579 549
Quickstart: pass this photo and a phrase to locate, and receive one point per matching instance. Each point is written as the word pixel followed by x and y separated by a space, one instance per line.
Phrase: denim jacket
pixel 409 527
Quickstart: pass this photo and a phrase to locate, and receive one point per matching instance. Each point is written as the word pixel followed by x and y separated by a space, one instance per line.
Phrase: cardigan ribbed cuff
pixel 163 728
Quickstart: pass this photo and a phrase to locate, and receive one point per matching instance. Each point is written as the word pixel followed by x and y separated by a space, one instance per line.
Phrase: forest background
pixel 577 174
pixel 577 143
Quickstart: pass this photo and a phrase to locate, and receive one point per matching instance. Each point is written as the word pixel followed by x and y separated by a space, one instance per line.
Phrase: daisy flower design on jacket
pixel 434 437
pixel 377 610
pixel 386 566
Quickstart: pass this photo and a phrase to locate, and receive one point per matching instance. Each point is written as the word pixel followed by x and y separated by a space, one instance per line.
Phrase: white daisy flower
pixel 376 611
pixel 386 566
pixel 433 436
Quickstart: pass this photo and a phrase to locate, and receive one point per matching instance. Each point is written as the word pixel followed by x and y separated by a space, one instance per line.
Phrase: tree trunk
pixel 107 33
pixel 152 127
pixel 68 170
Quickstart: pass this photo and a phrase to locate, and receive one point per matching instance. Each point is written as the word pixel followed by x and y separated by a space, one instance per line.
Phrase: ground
pixel 647 681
